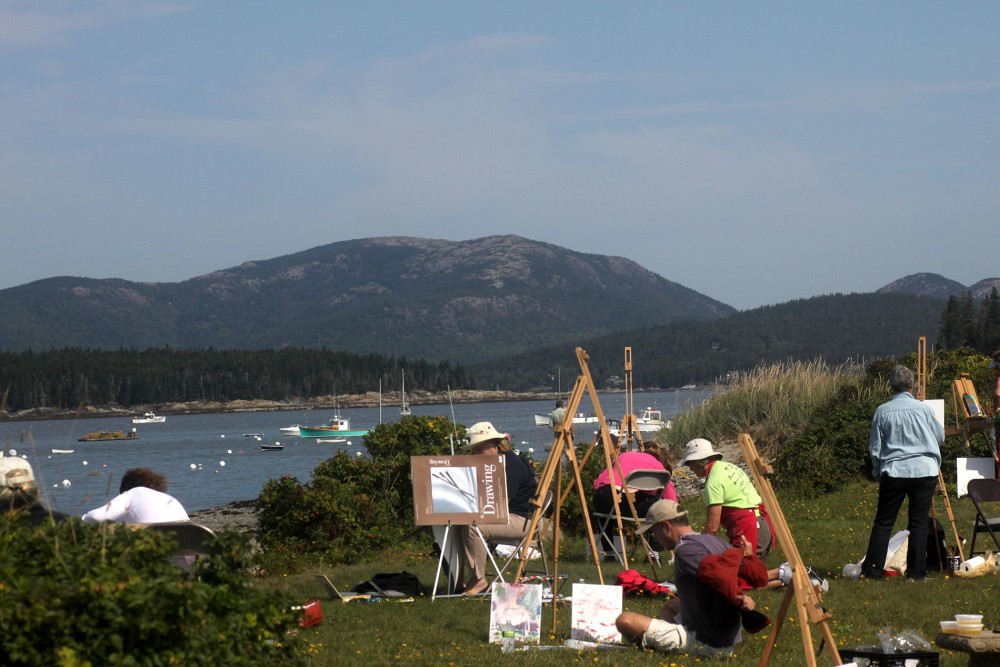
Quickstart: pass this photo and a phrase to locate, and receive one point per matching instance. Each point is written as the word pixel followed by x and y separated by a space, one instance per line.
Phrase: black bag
pixel 936 546
pixel 392 584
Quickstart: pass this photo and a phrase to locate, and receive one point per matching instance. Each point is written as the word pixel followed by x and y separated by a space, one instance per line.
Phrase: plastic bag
pixel 905 641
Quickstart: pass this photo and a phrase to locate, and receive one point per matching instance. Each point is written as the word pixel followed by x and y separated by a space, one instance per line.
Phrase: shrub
pixel 80 594
pixel 355 506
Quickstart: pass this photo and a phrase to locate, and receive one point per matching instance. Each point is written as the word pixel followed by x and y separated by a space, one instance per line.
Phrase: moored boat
pixel 579 418
pixel 651 421
pixel 276 447
pixel 149 418
pixel 63 451
pixel 290 430
pixel 337 426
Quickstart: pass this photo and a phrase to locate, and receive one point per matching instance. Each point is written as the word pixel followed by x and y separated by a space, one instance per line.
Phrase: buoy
pixel 84 463
pixel 194 467
pixel 223 435
pixel 67 483
pixel 222 463
pixel 13 452
pixel 229 451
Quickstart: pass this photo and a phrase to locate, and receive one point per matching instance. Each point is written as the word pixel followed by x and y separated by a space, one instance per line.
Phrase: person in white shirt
pixel 142 499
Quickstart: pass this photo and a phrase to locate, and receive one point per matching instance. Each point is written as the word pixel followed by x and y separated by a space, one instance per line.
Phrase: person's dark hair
pixel 134 477
pixel 681 520
pixel 901 379
pixel 559 404
pixel 660 454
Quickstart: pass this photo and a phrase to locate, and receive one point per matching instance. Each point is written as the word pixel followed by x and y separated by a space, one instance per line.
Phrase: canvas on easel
pixel 459 490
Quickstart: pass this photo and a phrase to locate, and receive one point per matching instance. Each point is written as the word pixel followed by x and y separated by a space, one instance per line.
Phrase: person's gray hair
pixel 901 379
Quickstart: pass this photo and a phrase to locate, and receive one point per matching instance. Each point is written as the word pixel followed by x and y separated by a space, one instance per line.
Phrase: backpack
pixel 392 584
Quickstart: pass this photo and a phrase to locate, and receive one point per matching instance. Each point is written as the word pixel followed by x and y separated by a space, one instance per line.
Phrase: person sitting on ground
pixel 705 618
pixel 142 498
pixel 654 458
pixel 556 416
pixel 484 440
pixel 19 492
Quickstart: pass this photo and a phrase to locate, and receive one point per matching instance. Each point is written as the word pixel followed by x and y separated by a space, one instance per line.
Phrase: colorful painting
pixel 516 609
pixel 595 609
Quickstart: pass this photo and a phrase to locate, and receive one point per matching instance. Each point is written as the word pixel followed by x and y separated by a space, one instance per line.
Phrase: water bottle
pixel 852 571
pixel 507 641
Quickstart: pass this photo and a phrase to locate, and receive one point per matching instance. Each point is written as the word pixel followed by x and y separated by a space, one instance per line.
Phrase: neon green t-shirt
pixel 729 486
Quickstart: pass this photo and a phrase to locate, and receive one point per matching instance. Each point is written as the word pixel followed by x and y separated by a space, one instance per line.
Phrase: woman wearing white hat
pixel 733 502
pixel 521 488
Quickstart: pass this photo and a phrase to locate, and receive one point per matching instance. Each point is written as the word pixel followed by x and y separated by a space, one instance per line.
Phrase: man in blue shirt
pixel 905 445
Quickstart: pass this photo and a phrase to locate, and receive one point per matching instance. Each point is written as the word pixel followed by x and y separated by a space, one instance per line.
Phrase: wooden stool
pixel 983 649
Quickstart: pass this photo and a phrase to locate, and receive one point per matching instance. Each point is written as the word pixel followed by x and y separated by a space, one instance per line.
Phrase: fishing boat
pixel 337 426
pixel 276 447
pixel 98 436
pixel 290 430
pixel 149 418
pixel 579 418
pixel 651 421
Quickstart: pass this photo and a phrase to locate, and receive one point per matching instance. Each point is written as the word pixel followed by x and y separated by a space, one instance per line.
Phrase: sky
pixel 754 152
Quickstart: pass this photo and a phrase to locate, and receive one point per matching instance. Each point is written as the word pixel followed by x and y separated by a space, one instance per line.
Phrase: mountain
pixel 937 286
pixel 837 328
pixel 468 300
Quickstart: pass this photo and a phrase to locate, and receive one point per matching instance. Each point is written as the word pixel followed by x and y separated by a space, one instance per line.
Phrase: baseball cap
pixel 661 510
pixel 15 474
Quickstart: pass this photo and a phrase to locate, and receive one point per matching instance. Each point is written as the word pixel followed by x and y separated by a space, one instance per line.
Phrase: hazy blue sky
pixel 755 152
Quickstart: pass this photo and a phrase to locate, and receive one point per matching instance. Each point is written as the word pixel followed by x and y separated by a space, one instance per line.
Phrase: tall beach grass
pixel 771 402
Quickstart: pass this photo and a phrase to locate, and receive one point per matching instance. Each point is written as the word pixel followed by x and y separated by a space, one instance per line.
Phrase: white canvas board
pixel 937 405
pixel 595 609
pixel 968 469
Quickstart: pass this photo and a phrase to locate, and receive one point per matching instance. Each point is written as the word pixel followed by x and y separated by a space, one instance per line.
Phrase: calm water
pixel 208 461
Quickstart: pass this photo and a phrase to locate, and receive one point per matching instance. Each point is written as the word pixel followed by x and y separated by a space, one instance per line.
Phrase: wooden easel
pixel 563 447
pixel 921 390
pixel 807 596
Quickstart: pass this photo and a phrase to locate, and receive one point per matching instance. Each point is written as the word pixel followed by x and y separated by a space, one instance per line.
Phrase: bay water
pixel 214 459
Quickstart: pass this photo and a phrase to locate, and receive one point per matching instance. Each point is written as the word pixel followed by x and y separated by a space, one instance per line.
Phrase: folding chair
pixel 537 544
pixel 194 541
pixel 648 480
pixel 983 491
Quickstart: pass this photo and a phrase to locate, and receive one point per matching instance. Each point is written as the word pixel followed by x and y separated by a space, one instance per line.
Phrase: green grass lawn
pixel 829 532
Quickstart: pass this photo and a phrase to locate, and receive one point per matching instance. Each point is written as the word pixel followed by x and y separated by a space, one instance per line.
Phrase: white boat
pixel 404 409
pixel 580 418
pixel 62 451
pixel 149 418
pixel 336 441
pixel 290 430
pixel 651 421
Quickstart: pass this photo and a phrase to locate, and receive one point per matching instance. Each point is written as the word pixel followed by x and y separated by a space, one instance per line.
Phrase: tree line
pixel 69 378
pixel 968 322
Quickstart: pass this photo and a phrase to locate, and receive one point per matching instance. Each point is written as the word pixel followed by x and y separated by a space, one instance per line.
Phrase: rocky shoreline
pixel 366 400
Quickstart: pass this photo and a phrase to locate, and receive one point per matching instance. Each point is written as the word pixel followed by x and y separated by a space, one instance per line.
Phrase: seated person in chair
pixel 142 498
pixel 705 618
pixel 521 488
pixel 654 458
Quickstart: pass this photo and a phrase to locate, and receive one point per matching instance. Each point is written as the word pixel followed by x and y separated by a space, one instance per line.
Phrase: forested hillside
pixel 72 378
pixel 836 327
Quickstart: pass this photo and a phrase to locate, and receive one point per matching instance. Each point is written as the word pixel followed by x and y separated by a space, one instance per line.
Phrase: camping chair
pixel 983 491
pixel 648 480
pixel 194 541
pixel 537 544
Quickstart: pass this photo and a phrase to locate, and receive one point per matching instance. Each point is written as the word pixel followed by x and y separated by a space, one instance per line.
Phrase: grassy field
pixel 829 532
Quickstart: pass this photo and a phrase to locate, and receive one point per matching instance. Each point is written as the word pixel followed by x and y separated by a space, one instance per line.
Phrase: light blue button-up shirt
pixel 906 437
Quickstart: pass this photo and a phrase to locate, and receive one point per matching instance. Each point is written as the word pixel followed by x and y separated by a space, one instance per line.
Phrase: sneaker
pixel 817 580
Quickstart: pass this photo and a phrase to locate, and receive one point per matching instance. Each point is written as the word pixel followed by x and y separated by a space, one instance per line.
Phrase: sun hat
pixel 661 510
pixel 481 432
pixel 15 474
pixel 698 450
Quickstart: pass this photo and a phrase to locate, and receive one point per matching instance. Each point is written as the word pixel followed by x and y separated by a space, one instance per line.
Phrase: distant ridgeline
pixel 71 378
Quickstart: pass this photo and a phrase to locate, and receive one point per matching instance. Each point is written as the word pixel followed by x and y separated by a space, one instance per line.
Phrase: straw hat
pixel 481 432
